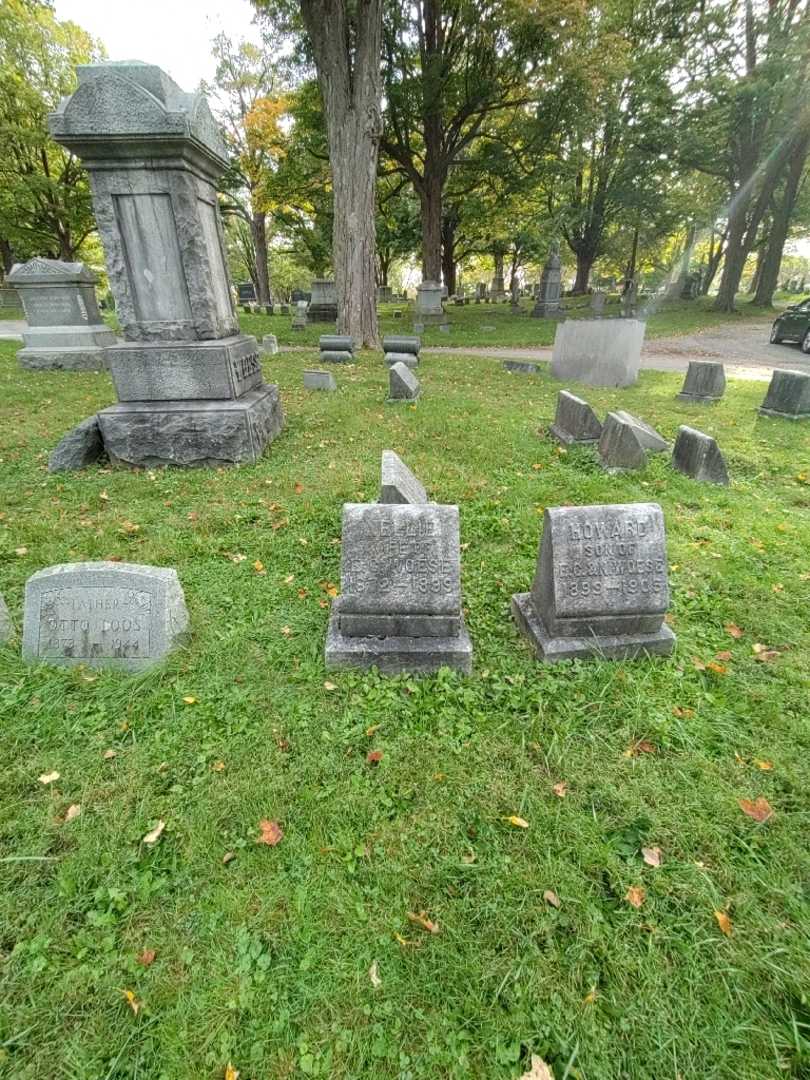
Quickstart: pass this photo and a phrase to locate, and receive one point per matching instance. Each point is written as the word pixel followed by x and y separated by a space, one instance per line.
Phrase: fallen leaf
pixel 258 566
pixel 374 757
pixel 271 833
pixel 760 809
pixel 635 895
pixel 374 975
pixel 229 856
pixel 404 941
pixel 129 527
pixel 103 495
pixel 370 730
pixel 329 588
pixel 766 766
pixel 132 1001
pixel 21 551
pixel 299 488
pixel 641 747
pixel 192 515
pixel 763 653
pixel 551 897
pixel 518 822
pixel 718 669
pixel 190 700
pixel 49 777
pixel 421 919
pixel 560 789
pixel 538 1071
pixel 682 713
pixel 724 655
pixel 302 594
pixel 146 958
pixel 218 766
pixel 698 663
pixel 108 755
pixel 733 630
pixel 329 685
pixel 72 812
pixel 777 587
pixel 724 922
pixel 651 855
pixel 231 1073
pixel 153 836
pixel 589 998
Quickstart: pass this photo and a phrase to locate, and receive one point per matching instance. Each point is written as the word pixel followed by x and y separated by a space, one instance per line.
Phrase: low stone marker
pixel 300 319
pixel 575 421
pixel 646 435
pixel 401 349
pixel 336 348
pixel 705 381
pixel 599 352
pixel 619 446
pixel 269 345
pixel 81 447
pixel 397 483
pixel 518 367
pixel 698 455
pixel 103 614
pixel 403 385
pixel 6 625
pixel 319 380
pixel 788 396
pixel 601 587
pixel 399 607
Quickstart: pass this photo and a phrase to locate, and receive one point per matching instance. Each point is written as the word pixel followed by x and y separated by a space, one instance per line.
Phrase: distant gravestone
pixel 575 421
pixel 403 385
pixel 548 299
pixel 599 352
pixel 81 447
pixel 6 625
pixel 788 396
pixel 705 381
pixel 629 299
pixel 397 483
pixel 619 445
pixel 399 607
pixel 646 435
pixel 428 310
pixel 319 380
pixel 519 367
pixel 601 588
pixel 698 455
pixel 336 348
pixel 103 614
pixel 402 343
pixel 269 345
pixel 300 320
pixel 65 328
pixel 598 300
pixel 323 302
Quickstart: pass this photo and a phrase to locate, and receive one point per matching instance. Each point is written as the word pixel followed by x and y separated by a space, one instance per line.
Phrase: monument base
pixel 185 370
pixel 782 415
pixel 567 439
pixel 71 358
pixel 548 311
pixel 322 313
pixel 700 399
pixel 397 655
pixel 192 434
pixel 606 647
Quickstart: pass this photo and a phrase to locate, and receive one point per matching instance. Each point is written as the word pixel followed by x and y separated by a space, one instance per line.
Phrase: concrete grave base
pixel 175 370
pixel 396 655
pixel 609 647
pixel 74 358
pixel 192 433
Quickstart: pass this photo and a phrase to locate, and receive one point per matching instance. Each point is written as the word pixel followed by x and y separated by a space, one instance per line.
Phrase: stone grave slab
pixel 698 455
pixel 646 435
pixel 319 380
pixel 103 614
pixel 519 367
pixel 705 381
pixel 6 625
pixel 397 483
pixel 323 301
pixel 402 343
pixel 601 586
pixel 410 360
pixel 598 352
pixel 403 385
pixel 269 345
pixel 619 445
pixel 575 421
pixel 788 396
pixel 400 603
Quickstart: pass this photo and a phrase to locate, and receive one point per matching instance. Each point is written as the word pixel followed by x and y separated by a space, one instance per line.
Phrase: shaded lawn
pixel 265 961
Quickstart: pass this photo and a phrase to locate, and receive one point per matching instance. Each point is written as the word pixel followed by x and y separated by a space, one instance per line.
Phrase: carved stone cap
pixel 50 272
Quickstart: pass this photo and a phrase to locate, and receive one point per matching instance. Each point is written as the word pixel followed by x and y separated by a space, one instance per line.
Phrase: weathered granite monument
pixel 189 385
pixel 429 310
pixel 403 385
pixel 601 587
pixel 705 381
pixel 548 298
pixel 788 395
pixel 698 455
pixel 103 614
pixel 599 352
pixel 65 328
pixel 323 304
pixel 646 435
pixel 575 421
pixel 397 483
pixel 399 607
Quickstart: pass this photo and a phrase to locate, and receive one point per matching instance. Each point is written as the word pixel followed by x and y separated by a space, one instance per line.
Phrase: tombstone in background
pixel 519 367
pixel 336 348
pixel 698 455
pixel 323 305
pixel 319 380
pixel 599 352
pixel 401 349
pixel 601 587
pixel 575 421
pixel 103 614
pixel 646 435
pixel 9 301
pixel 598 300
pixel 428 310
pixel 480 292
pixel 619 445
pixel 705 381
pixel 246 292
pixel 788 395
pixel 385 294
pixel 299 320
pixel 399 607
pixel 6 625
pixel 189 385
pixel 65 329
pixel 548 302
pixel 397 483
pixel 497 290
pixel 630 298
pixel 403 385
pixel 269 345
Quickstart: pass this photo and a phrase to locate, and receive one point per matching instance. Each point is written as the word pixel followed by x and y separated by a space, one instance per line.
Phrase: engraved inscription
pixel 247 366
pixel 95 621
pixel 53 307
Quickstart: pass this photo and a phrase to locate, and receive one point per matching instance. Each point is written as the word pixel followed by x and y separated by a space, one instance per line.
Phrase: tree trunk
pixel 734 262
pixel 346 44
pixel 258 231
pixel 631 265
pixel 753 284
pixel 498 284
pixel 6 257
pixel 449 254
pixel 772 260
pixel 585 263
pixel 431 201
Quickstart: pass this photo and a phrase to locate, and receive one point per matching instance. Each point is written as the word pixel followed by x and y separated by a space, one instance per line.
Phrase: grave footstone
pixel 410 360
pixel 646 435
pixel 788 396
pixel 519 367
pixel 319 380
pixel 601 587
pixel 189 385
pixel 397 483
pixel 336 348
pixel 299 320
pixel 619 445
pixel 81 447
pixel 575 421
pixel 399 607
pixel 698 455
pixel 65 329
pixel 599 352
pixel 6 625
pixel 705 381
pixel 403 385
pixel 103 614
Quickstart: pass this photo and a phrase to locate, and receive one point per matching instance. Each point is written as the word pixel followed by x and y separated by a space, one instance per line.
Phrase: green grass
pixel 505 328
pixel 265 962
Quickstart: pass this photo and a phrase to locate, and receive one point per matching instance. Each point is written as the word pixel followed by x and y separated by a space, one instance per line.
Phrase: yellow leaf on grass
pixel 636 895
pixel 538 1071
pixel 132 1001
pixel 421 919
pixel 231 1073
pixel 560 789
pixel 758 809
pixel 724 922
pixel 154 835
pixel 589 998
pixel 518 822
pixel 733 630
pixel 258 566
pixel 551 897
pixel 374 975
pixel 72 812
pixel 189 700
pixel 329 685
pixel 108 755
pixel 651 855
pixel 766 766
pixel 49 777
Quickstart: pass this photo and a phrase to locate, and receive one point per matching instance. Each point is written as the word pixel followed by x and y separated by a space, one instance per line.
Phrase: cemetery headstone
pixel 65 328
pixel 548 301
pixel 705 381
pixel 601 587
pixel 403 385
pixel 520 367
pixel 646 435
pixel 698 455
pixel 399 607
pixel 428 310
pixel 397 483
pixel 246 292
pixel 103 614
pixel 497 290
pixel 397 314
pixel 81 447
pixel 788 395
pixel 299 321
pixel 575 421
pixel 598 300
pixel 323 304
pixel 189 384
pixel 514 295
pixel 269 344
pixel 319 380
pixel 336 348
pixel 385 294
pixel 619 445
pixel 630 298
pixel 401 349
pixel 599 352
pixel 6 625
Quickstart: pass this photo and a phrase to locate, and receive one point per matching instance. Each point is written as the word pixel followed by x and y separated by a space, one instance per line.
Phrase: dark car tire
pixel 775 338
pixel 806 342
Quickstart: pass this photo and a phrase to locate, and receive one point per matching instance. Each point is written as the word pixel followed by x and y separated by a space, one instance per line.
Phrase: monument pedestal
pixel 65 348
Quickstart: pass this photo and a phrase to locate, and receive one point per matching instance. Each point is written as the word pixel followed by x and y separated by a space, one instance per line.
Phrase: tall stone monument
pixel 65 328
pixel 548 303
pixel 189 385
pixel 429 310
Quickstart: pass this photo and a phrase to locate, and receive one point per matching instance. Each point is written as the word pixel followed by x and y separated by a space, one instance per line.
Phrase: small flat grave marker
pixel 705 381
pixel 397 483
pixel 319 380
pixel 517 367
pixel 403 385
pixel 788 396
pixel 619 446
pixel 575 421
pixel 698 455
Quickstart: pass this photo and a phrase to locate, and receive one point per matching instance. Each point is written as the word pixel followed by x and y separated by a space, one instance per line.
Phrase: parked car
pixel 793 325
